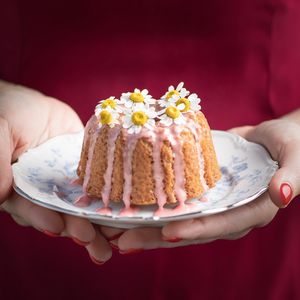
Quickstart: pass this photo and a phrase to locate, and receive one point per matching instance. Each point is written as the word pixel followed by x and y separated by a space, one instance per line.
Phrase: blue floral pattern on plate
pixel 44 174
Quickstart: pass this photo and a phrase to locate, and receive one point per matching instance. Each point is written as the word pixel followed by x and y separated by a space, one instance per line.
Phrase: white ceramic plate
pixel 44 174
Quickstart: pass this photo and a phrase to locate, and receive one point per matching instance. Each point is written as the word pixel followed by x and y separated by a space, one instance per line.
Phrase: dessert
pixel 138 150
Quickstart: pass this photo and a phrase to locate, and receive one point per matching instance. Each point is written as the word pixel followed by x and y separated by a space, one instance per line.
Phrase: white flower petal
pixel 130 130
pixel 162 103
pixel 183 93
pixel 179 120
pixel 195 107
pixel 144 92
pixel 168 121
pixel 139 106
pixel 148 126
pixel 193 97
pixel 161 112
pixel 151 113
pixel 128 104
pixel 118 109
pixel 137 129
pixel 171 88
pixel 174 98
pixel 150 122
pixel 179 86
pixel 137 91
pixel 150 101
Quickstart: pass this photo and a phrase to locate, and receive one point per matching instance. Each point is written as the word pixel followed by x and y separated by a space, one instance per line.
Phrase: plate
pixel 45 175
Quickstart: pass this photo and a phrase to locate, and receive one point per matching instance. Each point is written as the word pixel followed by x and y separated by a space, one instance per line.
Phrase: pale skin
pixel 28 118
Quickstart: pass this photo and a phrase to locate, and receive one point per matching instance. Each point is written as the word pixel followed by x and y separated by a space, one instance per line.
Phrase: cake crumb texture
pixel 142 174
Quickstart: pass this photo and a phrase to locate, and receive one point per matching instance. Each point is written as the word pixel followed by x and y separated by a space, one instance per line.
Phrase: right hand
pixel 27 119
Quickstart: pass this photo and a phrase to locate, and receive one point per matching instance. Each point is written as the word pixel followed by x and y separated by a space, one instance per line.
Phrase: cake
pixel 142 151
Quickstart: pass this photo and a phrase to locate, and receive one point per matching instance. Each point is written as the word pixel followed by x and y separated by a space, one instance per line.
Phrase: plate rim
pixel 153 220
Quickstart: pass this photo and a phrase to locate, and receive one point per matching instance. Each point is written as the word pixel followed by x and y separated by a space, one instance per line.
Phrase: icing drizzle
pixel 156 136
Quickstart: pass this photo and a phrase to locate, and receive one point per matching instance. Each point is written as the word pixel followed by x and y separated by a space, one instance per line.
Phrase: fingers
pixel 239 220
pixel 53 224
pixel 5 161
pixel 138 239
pixel 39 217
pixel 111 233
pixel 80 230
pixel 282 140
pixel 20 221
pixel 99 249
pixel 242 131
pixel 285 184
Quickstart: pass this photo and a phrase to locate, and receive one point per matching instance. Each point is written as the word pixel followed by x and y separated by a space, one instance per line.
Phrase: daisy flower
pixel 173 94
pixel 172 114
pixel 138 117
pixel 191 103
pixel 137 97
pixel 110 102
pixel 108 117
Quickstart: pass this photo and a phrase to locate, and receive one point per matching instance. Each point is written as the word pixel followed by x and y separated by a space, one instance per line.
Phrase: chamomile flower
pixel 108 117
pixel 138 117
pixel 172 114
pixel 111 103
pixel 191 103
pixel 172 95
pixel 137 97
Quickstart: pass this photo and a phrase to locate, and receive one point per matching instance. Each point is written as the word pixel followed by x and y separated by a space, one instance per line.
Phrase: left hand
pixel 282 139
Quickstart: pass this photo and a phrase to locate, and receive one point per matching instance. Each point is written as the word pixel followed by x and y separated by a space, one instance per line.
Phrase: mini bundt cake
pixel 144 151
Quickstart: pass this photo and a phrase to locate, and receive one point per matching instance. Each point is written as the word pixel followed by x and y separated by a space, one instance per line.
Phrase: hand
pixel 27 119
pixel 282 139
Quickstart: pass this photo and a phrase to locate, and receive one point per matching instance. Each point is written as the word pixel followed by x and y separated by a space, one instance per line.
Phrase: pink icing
pixel 111 145
pixel 128 211
pixel 83 201
pixel 75 181
pixel 179 186
pixel 87 176
pixel 181 208
pixel 131 140
pixel 158 172
pixel 156 136
pixel 195 129
pixel 107 211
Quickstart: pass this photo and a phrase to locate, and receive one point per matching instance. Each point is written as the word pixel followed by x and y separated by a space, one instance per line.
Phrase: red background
pixel 241 57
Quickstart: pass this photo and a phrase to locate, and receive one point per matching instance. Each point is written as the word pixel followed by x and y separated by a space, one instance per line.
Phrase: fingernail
pixel 171 239
pixel 130 251
pixel 49 233
pixel 96 261
pixel 114 246
pixel 79 242
pixel 114 237
pixel 286 193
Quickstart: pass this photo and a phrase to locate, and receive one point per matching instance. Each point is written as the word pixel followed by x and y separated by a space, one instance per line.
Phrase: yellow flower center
pixel 136 97
pixel 186 102
pixel 139 118
pixel 172 112
pixel 109 102
pixel 172 93
pixel 105 117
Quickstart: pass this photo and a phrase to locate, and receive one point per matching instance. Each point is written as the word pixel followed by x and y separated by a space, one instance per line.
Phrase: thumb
pixel 282 140
pixel 242 131
pixel 285 184
pixel 5 161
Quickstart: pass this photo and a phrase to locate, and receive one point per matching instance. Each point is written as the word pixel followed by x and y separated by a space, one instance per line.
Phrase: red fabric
pixel 241 57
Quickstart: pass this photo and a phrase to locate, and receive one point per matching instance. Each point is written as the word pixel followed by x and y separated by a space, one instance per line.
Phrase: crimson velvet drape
pixel 241 57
